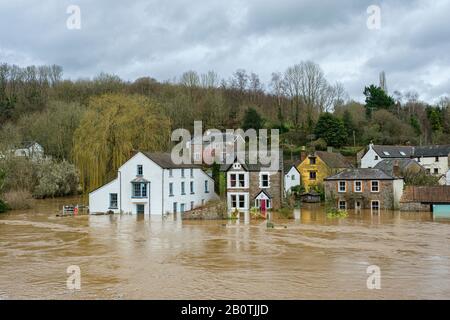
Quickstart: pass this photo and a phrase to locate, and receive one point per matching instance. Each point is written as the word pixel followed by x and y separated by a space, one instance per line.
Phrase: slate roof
pixel 361 174
pixel 253 167
pixel 333 159
pixel 164 160
pixel 387 165
pixel 289 164
pixel 412 151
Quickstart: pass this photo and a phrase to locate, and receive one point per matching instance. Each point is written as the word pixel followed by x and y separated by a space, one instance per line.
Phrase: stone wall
pixel 385 195
pixel 275 189
pixel 216 210
pixel 414 206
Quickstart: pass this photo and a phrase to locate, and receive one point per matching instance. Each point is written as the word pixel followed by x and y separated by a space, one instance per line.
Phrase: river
pixel 134 257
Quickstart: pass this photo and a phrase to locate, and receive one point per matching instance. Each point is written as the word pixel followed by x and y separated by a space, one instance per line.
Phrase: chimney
pixel 303 155
pixel 396 169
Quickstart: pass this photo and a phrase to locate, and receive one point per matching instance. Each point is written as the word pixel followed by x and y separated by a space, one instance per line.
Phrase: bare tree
pixel 210 80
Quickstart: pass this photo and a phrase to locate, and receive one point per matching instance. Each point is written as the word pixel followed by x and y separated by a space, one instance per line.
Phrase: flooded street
pixel 134 257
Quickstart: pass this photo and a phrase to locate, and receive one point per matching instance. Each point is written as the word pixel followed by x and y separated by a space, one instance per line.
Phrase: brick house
pixel 253 186
pixel 364 188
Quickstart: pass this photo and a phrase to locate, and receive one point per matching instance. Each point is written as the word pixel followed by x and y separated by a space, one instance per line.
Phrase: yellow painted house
pixel 319 165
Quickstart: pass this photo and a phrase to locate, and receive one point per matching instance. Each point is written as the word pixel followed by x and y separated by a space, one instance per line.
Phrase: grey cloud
pixel 164 38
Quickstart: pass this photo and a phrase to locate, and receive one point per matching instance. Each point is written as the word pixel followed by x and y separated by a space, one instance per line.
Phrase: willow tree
pixel 112 128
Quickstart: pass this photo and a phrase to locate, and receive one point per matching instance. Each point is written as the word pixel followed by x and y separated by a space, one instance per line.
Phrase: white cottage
pixel 150 183
pixel 291 177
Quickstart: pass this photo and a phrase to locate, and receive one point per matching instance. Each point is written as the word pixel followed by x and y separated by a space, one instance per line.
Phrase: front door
pixel 358 205
pixel 263 205
pixel 140 208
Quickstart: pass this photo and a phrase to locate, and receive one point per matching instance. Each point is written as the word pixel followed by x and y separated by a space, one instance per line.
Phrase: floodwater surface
pixel 134 257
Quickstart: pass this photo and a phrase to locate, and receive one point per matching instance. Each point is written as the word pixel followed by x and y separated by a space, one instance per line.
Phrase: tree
pixel 349 125
pixel 252 120
pixel 112 128
pixel 377 99
pixel 331 129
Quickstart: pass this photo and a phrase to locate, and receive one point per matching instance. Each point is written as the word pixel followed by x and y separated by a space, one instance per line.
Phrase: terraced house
pixel 364 188
pixel 253 186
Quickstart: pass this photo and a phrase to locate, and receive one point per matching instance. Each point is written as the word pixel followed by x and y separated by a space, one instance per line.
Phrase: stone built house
pixel 150 183
pixel 434 158
pixel 364 188
pixel 253 186
pixel 315 167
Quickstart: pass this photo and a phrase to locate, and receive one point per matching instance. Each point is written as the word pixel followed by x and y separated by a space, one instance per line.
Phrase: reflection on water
pixel 137 257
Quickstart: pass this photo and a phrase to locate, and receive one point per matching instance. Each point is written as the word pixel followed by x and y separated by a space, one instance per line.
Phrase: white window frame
pixel 261 174
pixel 361 187
pixel 371 205
pixel 238 174
pixel 339 186
pixel 371 186
pixel 345 205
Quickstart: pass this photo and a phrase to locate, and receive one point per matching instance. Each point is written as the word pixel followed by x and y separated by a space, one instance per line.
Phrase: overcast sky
pixel 163 38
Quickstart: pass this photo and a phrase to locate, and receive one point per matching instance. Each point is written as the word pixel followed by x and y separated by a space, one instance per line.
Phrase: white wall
pixel 289 182
pixel 398 185
pixel 368 160
pixel 431 163
pixel 158 200
pixel 99 199
pixel 448 178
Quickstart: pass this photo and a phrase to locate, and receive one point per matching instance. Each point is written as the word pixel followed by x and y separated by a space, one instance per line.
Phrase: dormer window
pixel 402 153
pixel 386 153
pixel 312 160
pixel 237 166
pixel 140 170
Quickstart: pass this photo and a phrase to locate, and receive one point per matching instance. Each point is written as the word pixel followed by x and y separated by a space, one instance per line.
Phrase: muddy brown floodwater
pixel 134 257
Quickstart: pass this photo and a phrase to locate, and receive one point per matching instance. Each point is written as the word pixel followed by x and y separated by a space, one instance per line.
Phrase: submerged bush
pixel 336 213
pixel 18 200
pixel 56 179
pixel 3 206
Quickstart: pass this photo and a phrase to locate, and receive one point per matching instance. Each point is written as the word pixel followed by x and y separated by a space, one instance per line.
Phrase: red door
pixel 263 205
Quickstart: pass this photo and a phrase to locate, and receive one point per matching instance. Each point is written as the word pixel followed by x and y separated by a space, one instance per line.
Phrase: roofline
pixel 104 185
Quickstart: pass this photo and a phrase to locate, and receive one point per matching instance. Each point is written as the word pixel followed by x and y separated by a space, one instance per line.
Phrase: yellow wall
pixel 322 169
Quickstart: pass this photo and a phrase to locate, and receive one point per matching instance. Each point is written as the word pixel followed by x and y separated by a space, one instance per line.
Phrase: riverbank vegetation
pixel 97 123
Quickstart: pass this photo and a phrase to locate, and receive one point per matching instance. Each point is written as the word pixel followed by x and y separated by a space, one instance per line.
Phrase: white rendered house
pixel 150 183
pixel 291 178
pixel 434 158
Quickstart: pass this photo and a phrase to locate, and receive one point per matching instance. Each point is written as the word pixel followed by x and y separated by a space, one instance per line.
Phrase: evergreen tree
pixel 331 129
pixel 377 99
pixel 252 120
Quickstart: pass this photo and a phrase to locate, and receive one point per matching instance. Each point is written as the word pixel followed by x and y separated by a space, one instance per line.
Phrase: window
pixel 293 177
pixel 175 205
pixel 264 180
pixel 233 180
pixel 233 201
pixel 206 186
pixel 182 173
pixel 241 180
pixel 312 175
pixel 192 205
pixel 140 170
pixel 386 153
pixel 358 186
pixel 436 171
pixel 182 207
pixel 436 159
pixel 428 171
pixel 170 173
pixel 140 208
pixel 402 153
pixel 342 205
pixel 182 188
pixel 375 205
pixel 312 160
pixel 139 190
pixel 418 159
pixel 376 158
pixel 375 186
pixel 171 189
pixel 342 186
pixel 241 201
pixel 196 156
pixel 192 173
pixel 192 187
pixel 236 165
pixel 113 201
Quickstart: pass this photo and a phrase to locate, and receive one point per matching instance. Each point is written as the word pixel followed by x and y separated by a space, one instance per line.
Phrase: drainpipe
pixel 162 193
